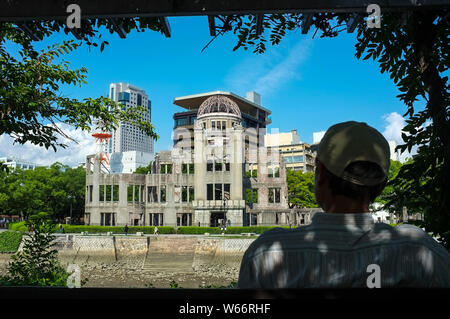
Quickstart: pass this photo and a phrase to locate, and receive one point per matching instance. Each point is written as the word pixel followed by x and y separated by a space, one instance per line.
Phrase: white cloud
pixel 267 72
pixel 394 124
pixel 72 155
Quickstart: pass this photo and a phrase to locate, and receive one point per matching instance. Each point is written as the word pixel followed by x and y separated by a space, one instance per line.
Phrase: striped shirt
pixel 335 250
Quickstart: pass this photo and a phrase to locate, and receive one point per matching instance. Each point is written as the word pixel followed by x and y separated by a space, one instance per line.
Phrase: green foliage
pixel 53 189
pixel 301 189
pixel 421 193
pixel 251 196
pixel 31 104
pixel 187 230
pixel 416 57
pixel 230 230
pixel 414 51
pixel 10 241
pixel 174 284
pixel 145 169
pixel 37 264
pixel 117 229
pixel 252 173
pixel 229 286
pixel 89 31
pixel 19 226
pixel 190 230
pixel 391 192
pixel 397 193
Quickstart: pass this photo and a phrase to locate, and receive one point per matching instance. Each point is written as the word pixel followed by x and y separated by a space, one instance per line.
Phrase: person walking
pixel 125 229
pixel 155 231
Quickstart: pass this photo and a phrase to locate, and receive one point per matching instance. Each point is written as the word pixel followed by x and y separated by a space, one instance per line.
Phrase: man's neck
pixel 344 205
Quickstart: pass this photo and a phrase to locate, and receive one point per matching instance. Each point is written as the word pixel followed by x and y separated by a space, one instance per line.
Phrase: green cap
pixel 348 142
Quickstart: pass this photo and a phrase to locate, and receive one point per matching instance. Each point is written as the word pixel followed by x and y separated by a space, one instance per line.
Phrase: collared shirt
pixel 336 251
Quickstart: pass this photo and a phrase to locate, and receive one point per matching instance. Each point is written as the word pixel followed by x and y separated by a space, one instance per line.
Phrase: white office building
pixel 128 162
pixel 296 154
pixel 128 137
pixel 317 136
pixel 280 139
pixel 129 147
pixel 13 162
pixel 395 155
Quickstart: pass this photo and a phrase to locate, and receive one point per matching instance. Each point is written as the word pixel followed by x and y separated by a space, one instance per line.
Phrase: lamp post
pixel 224 204
pixel 70 198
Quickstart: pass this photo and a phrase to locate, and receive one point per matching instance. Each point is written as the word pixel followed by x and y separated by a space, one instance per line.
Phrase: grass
pixel 10 241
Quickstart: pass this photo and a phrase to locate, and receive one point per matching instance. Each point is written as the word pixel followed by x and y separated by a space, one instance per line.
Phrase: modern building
pixel 217 173
pixel 297 155
pixel 277 139
pixel 13 162
pixel 128 162
pixel 317 136
pixel 395 155
pixel 127 137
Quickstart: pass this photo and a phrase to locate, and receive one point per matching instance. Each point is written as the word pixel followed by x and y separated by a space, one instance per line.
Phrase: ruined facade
pixel 217 173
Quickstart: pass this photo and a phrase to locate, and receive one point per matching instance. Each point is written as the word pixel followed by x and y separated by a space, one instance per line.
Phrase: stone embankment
pixel 140 261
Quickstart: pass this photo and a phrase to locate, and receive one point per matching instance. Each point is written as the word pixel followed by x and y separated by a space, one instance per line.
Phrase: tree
pixel 301 189
pixel 390 191
pixel 88 33
pixel 395 195
pixel 414 49
pixel 31 105
pixel 54 190
pixel 37 264
pixel 145 169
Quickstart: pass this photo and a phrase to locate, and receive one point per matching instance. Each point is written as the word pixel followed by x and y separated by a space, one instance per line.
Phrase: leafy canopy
pixel 52 189
pixel 31 105
pixel 414 49
pixel 301 189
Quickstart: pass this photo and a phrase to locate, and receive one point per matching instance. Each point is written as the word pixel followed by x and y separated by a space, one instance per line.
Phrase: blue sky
pixel 308 84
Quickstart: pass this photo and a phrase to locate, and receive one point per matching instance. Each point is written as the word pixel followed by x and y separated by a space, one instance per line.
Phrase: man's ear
pixel 320 175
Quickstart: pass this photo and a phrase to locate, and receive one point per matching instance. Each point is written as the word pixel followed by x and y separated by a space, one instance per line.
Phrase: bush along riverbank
pixel 185 230
pixel 10 241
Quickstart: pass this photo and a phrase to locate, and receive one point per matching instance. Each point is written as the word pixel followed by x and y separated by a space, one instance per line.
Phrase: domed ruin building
pixel 218 173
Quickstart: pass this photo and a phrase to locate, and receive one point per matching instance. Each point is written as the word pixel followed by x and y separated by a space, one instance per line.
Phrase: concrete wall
pixel 205 250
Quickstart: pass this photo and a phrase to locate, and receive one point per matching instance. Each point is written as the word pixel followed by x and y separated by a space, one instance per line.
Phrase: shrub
pixel 251 229
pixel 117 229
pixel 19 226
pixel 37 263
pixel 230 230
pixel 10 241
pixel 194 230
pixel 230 285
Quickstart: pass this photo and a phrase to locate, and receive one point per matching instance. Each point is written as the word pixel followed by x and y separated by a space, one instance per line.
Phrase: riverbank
pixel 190 261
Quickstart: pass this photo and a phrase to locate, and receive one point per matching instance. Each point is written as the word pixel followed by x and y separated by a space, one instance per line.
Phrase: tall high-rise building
pixel 395 155
pixel 128 137
pixel 129 146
